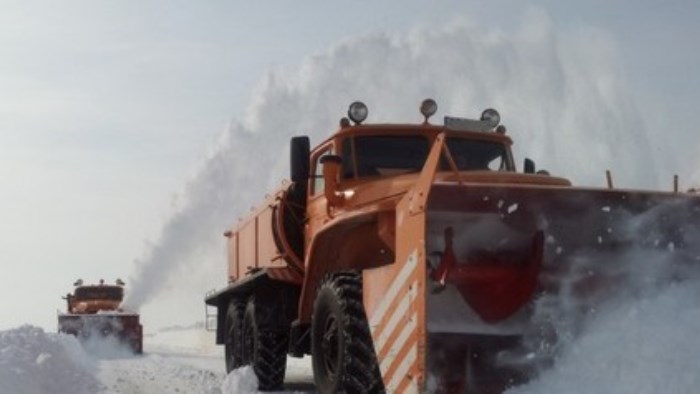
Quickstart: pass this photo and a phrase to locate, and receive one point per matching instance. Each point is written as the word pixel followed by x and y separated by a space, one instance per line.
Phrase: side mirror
pixel 299 159
pixel 529 166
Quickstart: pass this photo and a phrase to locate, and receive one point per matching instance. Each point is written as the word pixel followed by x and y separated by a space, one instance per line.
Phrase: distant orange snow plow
pixel 417 258
pixel 93 311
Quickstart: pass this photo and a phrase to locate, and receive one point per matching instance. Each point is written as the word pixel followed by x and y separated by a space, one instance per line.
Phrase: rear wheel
pixel 233 346
pixel 137 346
pixel 343 354
pixel 265 349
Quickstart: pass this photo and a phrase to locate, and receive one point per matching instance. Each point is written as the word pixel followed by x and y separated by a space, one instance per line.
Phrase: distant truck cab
pixel 94 311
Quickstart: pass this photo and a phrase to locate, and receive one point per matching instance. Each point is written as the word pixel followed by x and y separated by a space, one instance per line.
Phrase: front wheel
pixel 343 354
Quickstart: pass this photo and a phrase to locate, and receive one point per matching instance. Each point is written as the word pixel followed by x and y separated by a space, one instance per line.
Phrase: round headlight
pixel 357 112
pixel 491 116
pixel 428 108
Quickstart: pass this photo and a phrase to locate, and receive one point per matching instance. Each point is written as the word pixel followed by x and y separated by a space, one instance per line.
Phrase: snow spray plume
pixel 557 94
pixel 602 327
pixel 645 346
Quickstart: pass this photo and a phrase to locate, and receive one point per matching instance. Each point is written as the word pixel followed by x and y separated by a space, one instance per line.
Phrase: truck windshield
pixel 383 155
pixel 378 155
pixel 99 293
pixel 472 155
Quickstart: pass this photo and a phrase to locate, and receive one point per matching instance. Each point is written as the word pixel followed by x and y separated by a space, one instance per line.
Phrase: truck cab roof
pixel 395 149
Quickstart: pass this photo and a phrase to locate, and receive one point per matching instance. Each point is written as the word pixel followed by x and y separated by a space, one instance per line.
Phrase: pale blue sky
pixel 106 107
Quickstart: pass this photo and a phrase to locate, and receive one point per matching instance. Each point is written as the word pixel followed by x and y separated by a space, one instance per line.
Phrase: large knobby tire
pixel 233 339
pixel 263 348
pixel 343 354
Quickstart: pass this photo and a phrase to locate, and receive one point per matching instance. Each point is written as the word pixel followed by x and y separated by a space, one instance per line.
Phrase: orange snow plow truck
pixel 93 311
pixel 413 258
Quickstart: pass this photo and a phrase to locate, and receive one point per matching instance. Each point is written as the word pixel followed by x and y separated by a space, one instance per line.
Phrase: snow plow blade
pixel 452 317
pixel 493 250
pixel 125 328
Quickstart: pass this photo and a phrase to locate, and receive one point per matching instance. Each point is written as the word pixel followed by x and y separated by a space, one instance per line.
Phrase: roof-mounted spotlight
pixel 120 282
pixel 78 282
pixel 357 112
pixel 501 129
pixel 428 108
pixel 491 116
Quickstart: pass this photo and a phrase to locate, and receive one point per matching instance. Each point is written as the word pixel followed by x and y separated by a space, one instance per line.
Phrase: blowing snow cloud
pixel 562 97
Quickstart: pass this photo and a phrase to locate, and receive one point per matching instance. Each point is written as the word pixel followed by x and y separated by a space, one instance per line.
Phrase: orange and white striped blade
pixel 395 322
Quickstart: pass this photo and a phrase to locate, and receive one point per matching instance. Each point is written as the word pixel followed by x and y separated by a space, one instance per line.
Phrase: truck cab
pixel 94 311
pixel 380 162
pixel 89 299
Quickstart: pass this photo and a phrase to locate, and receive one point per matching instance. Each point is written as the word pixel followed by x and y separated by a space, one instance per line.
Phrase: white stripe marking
pixel 413 387
pixel 398 283
pixel 403 337
pixel 396 316
pixel 402 370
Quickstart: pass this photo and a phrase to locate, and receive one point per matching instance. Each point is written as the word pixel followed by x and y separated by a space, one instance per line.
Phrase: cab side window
pixel 348 170
pixel 318 182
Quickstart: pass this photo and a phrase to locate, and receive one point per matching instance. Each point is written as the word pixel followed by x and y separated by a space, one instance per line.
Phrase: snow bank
pixel 648 345
pixel 241 380
pixel 34 362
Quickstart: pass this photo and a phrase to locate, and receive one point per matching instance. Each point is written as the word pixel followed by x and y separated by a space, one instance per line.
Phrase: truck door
pixel 317 203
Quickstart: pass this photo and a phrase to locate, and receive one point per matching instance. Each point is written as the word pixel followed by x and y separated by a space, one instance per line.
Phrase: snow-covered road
pixel 645 345
pixel 174 361
pixel 169 372
pixel 159 373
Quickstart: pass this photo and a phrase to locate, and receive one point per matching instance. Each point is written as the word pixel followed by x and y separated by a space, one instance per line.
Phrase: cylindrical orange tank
pixel 270 237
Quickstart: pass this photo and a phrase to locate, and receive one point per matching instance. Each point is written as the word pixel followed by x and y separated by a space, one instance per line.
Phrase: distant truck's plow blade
pixel 492 250
pixel 125 328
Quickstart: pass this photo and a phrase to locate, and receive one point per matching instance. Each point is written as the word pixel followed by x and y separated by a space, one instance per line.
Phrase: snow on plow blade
pixel 123 327
pixel 492 250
